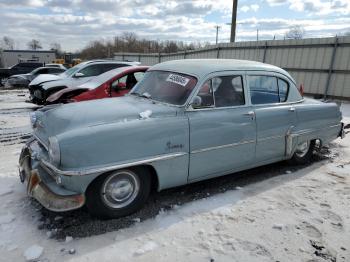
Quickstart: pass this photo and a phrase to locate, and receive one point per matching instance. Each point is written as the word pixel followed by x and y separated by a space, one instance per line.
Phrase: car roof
pixel 102 61
pixel 202 67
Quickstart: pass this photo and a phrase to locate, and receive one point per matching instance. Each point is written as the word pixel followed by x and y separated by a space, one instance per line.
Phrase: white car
pixel 45 85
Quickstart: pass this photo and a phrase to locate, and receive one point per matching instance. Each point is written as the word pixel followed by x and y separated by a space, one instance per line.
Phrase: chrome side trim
pixel 270 137
pixel 222 146
pixel 111 167
pixel 308 131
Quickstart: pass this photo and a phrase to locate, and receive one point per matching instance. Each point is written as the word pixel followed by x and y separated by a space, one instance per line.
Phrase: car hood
pixel 58 119
pixel 44 78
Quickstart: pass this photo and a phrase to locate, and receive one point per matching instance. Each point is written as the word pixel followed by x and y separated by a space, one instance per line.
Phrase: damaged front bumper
pixel 42 186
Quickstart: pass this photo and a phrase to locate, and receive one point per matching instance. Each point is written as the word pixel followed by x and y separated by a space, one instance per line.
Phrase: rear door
pixel 222 129
pixel 274 116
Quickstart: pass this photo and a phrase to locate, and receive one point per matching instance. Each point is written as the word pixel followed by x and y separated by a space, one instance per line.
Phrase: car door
pixel 222 128
pixel 274 116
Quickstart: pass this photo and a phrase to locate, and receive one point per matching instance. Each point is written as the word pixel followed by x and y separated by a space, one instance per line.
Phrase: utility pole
pixel 217 33
pixel 233 22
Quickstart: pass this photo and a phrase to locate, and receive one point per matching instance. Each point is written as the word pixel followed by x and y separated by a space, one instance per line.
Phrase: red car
pixel 114 83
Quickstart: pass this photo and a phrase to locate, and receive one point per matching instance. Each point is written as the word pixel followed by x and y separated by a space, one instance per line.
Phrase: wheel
pixel 303 152
pixel 119 193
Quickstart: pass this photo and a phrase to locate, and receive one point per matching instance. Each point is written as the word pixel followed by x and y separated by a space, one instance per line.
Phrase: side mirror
pixel 79 74
pixel 196 102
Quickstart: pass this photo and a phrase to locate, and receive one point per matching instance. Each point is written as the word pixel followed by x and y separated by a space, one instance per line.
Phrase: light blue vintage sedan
pixel 186 121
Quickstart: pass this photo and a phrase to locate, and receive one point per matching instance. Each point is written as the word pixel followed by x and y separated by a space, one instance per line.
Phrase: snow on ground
pixel 295 216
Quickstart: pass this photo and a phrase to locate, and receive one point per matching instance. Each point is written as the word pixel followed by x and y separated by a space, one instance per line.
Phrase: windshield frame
pixel 131 93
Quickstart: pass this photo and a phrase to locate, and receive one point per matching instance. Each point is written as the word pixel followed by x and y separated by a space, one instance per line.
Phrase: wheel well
pixel 152 171
pixel 154 178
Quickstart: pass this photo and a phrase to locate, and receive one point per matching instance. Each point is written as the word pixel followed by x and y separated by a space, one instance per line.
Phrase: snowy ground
pixel 272 213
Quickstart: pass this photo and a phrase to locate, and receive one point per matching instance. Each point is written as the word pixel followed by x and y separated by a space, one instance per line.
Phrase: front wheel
pixel 119 193
pixel 303 152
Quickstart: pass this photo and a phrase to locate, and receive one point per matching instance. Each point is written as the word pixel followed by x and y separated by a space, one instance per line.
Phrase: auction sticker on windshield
pixel 177 79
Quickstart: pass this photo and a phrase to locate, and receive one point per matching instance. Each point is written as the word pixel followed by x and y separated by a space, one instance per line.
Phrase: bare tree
pixel 8 43
pixel 295 32
pixel 34 44
pixel 57 48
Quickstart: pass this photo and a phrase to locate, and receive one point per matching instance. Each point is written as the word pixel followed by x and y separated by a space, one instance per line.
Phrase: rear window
pixel 267 89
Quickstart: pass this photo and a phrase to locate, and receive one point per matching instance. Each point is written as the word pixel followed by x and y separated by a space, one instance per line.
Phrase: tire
pixel 131 188
pixel 304 155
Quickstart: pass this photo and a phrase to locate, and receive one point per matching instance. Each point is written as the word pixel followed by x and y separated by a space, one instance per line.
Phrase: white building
pixel 11 57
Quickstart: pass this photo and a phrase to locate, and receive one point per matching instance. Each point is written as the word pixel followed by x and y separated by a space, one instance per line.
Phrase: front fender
pixel 123 141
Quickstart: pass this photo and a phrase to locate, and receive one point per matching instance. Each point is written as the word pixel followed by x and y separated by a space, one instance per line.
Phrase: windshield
pixel 167 87
pixel 71 71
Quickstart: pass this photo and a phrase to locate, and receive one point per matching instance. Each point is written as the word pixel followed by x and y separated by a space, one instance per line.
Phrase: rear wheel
pixel 303 152
pixel 119 193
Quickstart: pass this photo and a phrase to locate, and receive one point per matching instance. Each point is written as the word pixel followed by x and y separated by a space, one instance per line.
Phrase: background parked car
pixel 114 83
pixel 45 85
pixel 56 65
pixel 20 68
pixel 23 80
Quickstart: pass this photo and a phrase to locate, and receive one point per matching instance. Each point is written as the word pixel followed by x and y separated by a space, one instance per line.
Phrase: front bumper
pixel 42 187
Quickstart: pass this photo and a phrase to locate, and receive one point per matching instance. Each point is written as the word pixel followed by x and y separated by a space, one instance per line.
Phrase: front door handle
pixel 292 109
pixel 250 113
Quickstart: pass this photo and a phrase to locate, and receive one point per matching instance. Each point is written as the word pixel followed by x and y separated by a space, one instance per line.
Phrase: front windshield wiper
pixel 145 95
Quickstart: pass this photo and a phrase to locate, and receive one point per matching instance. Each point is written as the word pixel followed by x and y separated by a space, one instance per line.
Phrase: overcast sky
pixel 73 23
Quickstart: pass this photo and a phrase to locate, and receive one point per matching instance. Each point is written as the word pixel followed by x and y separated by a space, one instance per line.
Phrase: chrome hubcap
pixel 302 149
pixel 120 189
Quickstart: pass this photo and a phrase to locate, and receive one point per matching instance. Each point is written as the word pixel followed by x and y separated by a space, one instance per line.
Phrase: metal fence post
pixel 185 53
pixel 159 58
pixel 123 58
pixel 331 66
pixel 265 49
pixel 218 52
pixel 139 57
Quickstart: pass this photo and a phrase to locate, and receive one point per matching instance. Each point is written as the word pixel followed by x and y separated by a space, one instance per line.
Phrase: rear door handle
pixel 292 109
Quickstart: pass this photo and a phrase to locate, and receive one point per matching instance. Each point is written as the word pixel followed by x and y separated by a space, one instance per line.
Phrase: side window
pixel 108 67
pixel 263 89
pixel 43 71
pixel 139 76
pixel 55 70
pixel 223 91
pixel 92 70
pixel 283 89
pixel 120 83
pixel 228 91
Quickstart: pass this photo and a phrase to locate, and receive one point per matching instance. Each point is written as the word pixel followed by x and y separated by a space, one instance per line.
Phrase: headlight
pixel 54 151
pixel 33 119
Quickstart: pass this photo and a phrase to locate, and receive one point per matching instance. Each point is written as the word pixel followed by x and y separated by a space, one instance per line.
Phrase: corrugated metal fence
pixel 321 64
